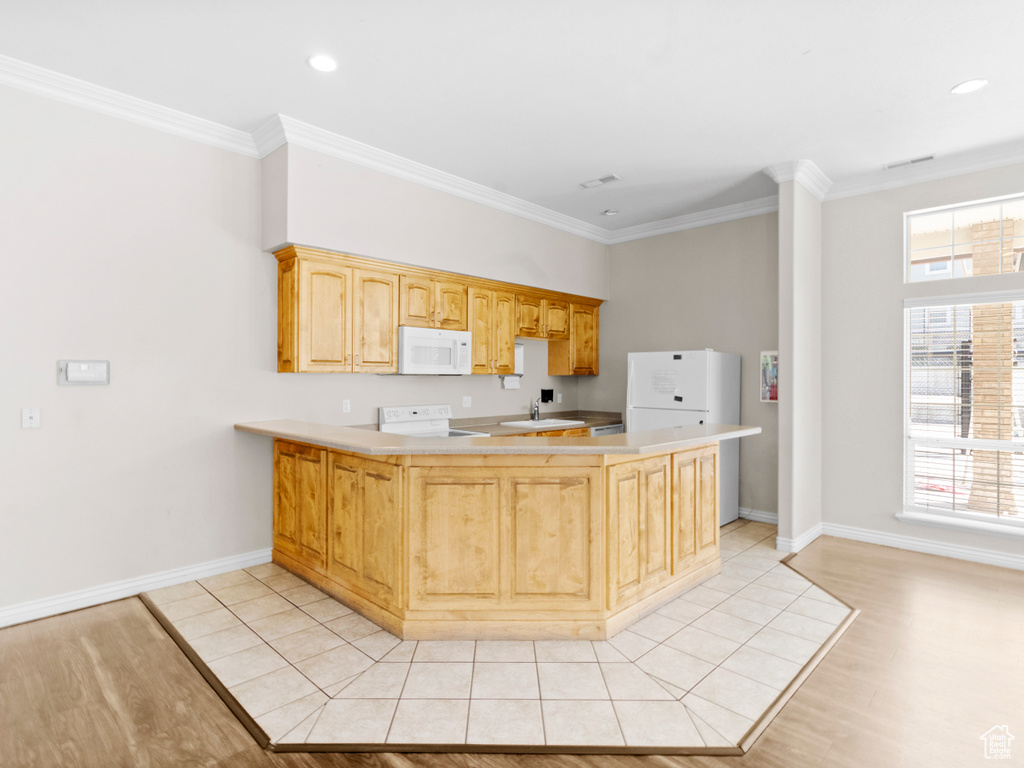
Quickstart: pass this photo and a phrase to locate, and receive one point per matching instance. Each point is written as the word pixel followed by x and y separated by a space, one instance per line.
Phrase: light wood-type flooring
pixel 935 660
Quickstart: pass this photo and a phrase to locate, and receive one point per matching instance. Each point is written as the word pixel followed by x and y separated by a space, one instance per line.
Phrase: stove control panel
pixel 400 414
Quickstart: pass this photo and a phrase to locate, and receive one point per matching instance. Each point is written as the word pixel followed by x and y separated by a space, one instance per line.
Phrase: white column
pixel 802 187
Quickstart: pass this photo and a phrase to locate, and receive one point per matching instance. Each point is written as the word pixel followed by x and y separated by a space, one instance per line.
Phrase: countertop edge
pixel 371 443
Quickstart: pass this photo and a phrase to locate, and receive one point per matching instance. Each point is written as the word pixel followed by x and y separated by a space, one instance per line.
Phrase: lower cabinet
pixel 639 528
pixel 300 496
pixel 504 538
pixel 695 506
pixel 365 525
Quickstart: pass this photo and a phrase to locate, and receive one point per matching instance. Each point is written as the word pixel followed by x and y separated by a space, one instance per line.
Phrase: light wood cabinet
pixel 541 317
pixel 492 321
pixel 365 524
pixel 497 546
pixel 504 538
pixel 695 506
pixel 300 519
pixel 639 523
pixel 577 355
pixel 433 303
pixel 340 313
pixel 581 432
pixel 375 321
pixel 334 318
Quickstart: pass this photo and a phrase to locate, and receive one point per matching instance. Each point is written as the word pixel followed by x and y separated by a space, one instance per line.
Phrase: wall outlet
pixel 346 406
pixel 559 396
pixel 30 418
pixel 467 401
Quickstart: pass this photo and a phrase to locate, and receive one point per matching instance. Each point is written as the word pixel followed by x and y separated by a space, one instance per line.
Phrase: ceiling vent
pixel 911 161
pixel 598 182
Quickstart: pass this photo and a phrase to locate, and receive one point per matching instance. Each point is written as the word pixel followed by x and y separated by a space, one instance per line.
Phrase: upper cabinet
pixel 339 313
pixel 492 321
pixel 433 303
pixel 541 317
pixel 577 355
pixel 333 318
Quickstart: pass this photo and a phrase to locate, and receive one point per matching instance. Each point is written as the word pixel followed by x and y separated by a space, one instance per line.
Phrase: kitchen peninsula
pixel 497 537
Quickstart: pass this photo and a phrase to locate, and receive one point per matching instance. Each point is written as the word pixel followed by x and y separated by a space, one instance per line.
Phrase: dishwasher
pixel 607 429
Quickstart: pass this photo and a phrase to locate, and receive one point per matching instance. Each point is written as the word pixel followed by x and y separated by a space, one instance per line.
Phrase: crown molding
pixel 804 172
pixel 45 82
pixel 309 136
pixel 694 220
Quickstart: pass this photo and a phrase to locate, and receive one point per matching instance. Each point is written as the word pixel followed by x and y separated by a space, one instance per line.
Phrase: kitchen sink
pixel 542 423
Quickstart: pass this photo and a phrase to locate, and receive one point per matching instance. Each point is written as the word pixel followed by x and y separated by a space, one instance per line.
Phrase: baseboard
pixel 757 515
pixel 898 541
pixel 84 598
pixel 795 545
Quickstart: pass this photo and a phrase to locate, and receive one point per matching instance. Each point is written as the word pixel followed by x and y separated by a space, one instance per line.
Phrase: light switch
pixel 30 418
pixel 77 372
pixel 467 401
pixel 346 406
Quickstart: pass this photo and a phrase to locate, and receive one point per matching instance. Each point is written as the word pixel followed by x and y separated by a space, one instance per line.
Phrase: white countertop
pixel 372 443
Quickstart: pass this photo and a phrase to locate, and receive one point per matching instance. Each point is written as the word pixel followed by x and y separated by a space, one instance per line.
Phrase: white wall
pixel 132 245
pixel 862 350
pixel 715 286
pixel 341 206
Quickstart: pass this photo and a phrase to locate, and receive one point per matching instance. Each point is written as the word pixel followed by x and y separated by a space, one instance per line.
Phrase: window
pixel 964 415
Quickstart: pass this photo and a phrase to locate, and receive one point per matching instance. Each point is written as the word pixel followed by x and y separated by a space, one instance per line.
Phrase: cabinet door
pixel 556 314
pixel 554 545
pixel 481 322
pixel 300 509
pixel 640 533
pixel 375 321
pixel 324 317
pixel 451 305
pixel 416 304
pixel 365 525
pixel 529 316
pixel 504 330
pixel 454 537
pixel 583 339
pixel 695 506
pixel 287 316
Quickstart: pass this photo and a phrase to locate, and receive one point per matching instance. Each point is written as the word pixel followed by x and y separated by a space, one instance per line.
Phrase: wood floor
pixel 935 660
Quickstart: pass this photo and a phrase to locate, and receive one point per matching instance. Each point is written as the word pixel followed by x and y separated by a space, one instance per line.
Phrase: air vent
pixel 911 161
pixel 598 182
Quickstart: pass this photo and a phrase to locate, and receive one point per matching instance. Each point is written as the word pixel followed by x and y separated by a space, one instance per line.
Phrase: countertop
pixel 373 443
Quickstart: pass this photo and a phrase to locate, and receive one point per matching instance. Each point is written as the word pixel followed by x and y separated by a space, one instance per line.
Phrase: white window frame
pixel 979 522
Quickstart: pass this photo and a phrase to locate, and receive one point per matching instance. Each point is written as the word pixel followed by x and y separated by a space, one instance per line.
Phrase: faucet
pixel 535 416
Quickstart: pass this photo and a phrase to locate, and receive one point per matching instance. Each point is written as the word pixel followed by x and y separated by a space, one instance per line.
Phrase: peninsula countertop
pixel 373 443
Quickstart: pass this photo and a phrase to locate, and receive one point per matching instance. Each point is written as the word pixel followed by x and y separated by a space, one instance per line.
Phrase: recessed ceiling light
pixel 610 212
pixel 322 63
pixel 969 86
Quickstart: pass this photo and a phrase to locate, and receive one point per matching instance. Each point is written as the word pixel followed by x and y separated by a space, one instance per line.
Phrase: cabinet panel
pixel 346 550
pixel 416 304
pixel 324 317
pixel 452 305
pixel 583 339
pixel 504 332
pixel 529 316
pixel 557 319
pixel 382 529
pixel 375 321
pixel 623 533
pixel 287 322
pixel 300 512
pixel 480 319
pixel 455 537
pixel 695 506
pixel 553 560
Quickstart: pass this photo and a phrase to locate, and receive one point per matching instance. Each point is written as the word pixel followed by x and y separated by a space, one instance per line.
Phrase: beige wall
pixel 715 286
pixel 341 206
pixel 132 245
pixel 862 349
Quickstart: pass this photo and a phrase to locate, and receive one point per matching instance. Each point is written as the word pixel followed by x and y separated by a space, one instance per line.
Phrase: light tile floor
pixel 698 672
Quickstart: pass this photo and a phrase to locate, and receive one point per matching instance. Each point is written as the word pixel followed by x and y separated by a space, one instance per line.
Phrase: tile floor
pixel 697 673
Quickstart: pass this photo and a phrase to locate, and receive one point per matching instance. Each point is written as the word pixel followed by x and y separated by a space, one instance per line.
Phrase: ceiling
pixel 686 100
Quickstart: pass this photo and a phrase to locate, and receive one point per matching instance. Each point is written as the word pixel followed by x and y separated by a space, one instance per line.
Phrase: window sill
pixel 1009 529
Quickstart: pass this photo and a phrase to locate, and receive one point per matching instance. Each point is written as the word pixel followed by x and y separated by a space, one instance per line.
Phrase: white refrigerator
pixel 674 389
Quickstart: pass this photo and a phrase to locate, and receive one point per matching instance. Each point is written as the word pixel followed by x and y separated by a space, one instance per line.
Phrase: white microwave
pixel 434 351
